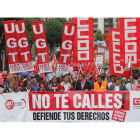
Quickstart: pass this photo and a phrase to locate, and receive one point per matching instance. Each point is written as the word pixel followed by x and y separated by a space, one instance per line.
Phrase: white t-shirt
pixel 116 88
pixel 66 86
pixel 28 90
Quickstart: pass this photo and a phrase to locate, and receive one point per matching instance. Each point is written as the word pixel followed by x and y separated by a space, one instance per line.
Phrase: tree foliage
pixel 98 36
pixel 54 28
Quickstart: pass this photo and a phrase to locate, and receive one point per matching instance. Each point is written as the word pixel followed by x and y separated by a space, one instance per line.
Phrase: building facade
pixel 104 23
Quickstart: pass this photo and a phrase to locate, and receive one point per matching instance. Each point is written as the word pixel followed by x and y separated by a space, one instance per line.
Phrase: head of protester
pixel 65 85
pixel 7 80
pixel 108 79
pixel 28 87
pixel 112 81
pixel 123 81
pixel 83 84
pixel 35 84
pixel 53 84
pixel 10 88
pixel 15 83
pixel 100 85
pixel 131 83
pixel 117 86
pixel 20 85
pixel 137 86
pixel 41 86
pixel 27 79
pixel 19 77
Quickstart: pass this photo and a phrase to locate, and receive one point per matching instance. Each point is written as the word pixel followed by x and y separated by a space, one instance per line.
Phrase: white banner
pixel 55 106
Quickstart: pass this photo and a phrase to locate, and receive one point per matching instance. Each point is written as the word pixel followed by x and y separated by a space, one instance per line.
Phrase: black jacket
pixel 86 86
pixel 26 89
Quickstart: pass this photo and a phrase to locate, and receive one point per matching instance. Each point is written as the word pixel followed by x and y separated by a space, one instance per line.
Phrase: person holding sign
pixel 100 85
pixel 65 85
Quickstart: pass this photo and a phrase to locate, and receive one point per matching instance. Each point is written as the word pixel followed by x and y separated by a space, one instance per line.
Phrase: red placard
pixel 11 45
pixel 1 78
pixel 41 46
pixel 83 50
pixel 130 40
pixel 119 115
pixel 114 54
pixel 66 47
pixel 78 100
pixel 23 46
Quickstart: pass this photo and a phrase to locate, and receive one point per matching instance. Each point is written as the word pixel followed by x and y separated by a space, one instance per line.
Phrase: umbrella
pixel 24 74
pixel 27 74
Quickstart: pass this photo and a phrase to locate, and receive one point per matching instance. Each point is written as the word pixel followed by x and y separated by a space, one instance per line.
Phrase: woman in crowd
pixel 41 86
pixel 20 85
pixel 137 86
pixel 54 84
pixel 15 83
pixel 123 81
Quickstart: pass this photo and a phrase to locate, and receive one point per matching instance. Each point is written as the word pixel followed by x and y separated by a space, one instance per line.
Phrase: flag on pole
pixel 43 76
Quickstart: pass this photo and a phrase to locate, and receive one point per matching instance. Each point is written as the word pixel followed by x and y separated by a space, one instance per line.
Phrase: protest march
pixel 88 81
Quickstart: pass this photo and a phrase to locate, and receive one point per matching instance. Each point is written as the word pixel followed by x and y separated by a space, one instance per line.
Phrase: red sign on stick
pixel 44 63
pixel 130 40
pixel 83 50
pixel 66 47
pixel 11 45
pixel 23 46
pixel 1 78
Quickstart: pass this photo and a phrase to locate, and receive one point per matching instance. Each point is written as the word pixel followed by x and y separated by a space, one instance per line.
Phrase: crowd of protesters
pixel 65 83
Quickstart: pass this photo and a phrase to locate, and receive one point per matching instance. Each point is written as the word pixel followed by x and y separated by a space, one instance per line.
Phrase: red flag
pixel 11 45
pixel 10 74
pixel 96 71
pixel 87 69
pixel 108 73
pixel 80 71
pixel 36 68
pixel 54 63
pixel 127 69
pixel 23 46
pixel 41 46
pixel 130 40
pixel 106 39
pixel 66 47
pixel 83 50
pixel 43 76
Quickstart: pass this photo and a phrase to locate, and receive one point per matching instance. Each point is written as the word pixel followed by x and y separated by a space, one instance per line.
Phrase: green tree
pixel 62 20
pixel 29 29
pixel 54 28
pixel 98 36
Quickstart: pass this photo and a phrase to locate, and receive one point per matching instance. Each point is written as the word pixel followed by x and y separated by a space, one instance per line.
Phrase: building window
pixel 95 20
pixel 96 27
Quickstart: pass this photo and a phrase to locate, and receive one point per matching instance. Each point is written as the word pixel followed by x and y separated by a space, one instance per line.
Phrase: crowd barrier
pixel 76 106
